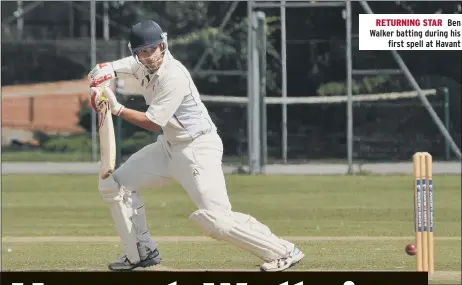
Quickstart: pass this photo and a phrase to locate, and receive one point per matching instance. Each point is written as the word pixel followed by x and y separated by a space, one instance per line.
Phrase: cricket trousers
pixel 196 165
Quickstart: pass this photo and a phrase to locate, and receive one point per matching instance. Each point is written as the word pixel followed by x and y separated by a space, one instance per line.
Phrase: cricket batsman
pixel 189 150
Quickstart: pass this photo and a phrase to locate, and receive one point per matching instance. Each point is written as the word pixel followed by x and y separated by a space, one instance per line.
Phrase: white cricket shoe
pixel 123 264
pixel 282 264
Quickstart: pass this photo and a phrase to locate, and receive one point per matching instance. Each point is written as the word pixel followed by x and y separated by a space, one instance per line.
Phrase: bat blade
pixel 107 142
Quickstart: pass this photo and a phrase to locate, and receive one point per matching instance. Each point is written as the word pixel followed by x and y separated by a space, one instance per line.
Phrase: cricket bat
pixel 107 144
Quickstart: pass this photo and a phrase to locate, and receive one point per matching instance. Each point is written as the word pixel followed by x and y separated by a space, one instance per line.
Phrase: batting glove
pixel 101 75
pixel 100 94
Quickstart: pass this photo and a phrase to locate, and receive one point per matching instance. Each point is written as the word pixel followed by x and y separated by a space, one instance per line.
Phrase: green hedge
pixel 72 143
pixel 81 143
pixel 136 142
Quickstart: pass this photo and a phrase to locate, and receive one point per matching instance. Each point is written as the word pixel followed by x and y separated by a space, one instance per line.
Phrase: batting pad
pixel 137 214
pixel 242 231
pixel 114 195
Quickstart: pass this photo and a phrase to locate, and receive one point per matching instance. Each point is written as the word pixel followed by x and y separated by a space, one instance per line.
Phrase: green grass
pixel 292 205
pixel 310 206
pixel 320 255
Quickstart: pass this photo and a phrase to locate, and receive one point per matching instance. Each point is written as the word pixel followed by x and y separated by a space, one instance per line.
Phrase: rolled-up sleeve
pixel 125 67
pixel 167 99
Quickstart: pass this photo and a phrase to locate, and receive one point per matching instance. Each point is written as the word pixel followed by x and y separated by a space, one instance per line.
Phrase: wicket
pixel 423 205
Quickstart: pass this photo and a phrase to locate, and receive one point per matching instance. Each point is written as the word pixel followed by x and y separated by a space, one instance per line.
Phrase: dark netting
pixel 395 129
pixel 231 121
pixel 383 130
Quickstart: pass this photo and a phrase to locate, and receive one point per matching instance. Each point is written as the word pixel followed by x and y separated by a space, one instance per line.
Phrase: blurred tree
pixel 315 49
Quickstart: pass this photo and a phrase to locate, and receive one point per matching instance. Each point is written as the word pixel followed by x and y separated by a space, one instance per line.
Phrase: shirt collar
pixel 167 57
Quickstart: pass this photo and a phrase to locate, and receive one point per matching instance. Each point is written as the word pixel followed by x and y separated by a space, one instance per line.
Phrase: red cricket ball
pixel 411 249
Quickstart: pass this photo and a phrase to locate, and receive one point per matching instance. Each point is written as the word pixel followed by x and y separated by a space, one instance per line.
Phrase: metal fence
pixel 346 133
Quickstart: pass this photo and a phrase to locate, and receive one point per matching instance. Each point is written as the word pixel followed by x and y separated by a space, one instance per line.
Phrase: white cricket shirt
pixel 173 99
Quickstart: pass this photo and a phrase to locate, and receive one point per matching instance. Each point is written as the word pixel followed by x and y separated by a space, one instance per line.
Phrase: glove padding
pixel 99 94
pixel 101 75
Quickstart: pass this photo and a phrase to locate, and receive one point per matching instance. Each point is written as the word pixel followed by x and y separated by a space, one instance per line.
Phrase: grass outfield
pixel 341 222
